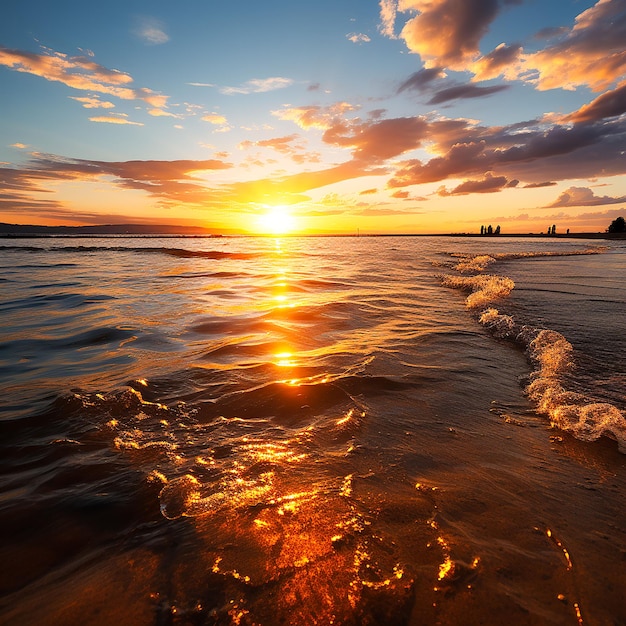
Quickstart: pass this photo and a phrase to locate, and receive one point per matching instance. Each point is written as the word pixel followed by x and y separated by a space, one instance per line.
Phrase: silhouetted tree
pixel 617 226
pixel 489 230
pixel 497 231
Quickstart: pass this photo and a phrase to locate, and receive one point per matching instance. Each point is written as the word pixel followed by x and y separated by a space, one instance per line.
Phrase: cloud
pixel 371 141
pixel 583 196
pixel 315 116
pixel 379 140
pixel 530 153
pixel 92 102
pixel 166 180
pixel 162 113
pixel 374 211
pixel 609 104
pixel 591 53
pixel 525 153
pixel 465 91
pixel 258 85
pixel 447 32
pixel 119 118
pixel 19 145
pixel 358 38
pixel 401 195
pixel 550 32
pixel 78 72
pixel 285 145
pixel 215 118
pixel 388 11
pixel 497 62
pixel 420 79
pixel 151 31
pixel 538 185
pixel 488 184
pixel 367 192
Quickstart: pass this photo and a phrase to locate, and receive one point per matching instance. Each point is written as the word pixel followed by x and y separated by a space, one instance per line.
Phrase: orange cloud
pixel 609 104
pixel 165 180
pixel 316 116
pixel 215 118
pixel 93 102
pixel 583 196
pixel 522 152
pixel 162 113
pixel 78 72
pixel 489 184
pixel 592 53
pixel 447 32
pixel 497 62
pixel 120 118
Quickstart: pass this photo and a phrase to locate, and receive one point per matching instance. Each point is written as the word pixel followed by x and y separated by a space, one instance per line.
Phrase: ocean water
pixel 388 430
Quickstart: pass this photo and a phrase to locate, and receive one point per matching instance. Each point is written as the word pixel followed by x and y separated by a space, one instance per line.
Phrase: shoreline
pixel 156 235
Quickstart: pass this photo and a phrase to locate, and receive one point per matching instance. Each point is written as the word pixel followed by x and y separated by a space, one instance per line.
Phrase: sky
pixel 332 116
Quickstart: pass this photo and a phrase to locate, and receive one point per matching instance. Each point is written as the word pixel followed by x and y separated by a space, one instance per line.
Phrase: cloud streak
pixel 151 31
pixel 78 72
pixel 583 196
pixel 258 85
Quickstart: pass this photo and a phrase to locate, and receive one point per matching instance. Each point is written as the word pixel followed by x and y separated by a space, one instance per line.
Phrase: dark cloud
pixel 421 79
pixel 550 32
pixel 465 91
pixel 538 185
pixel 558 152
pixel 488 184
pixel 609 104
pixel 496 62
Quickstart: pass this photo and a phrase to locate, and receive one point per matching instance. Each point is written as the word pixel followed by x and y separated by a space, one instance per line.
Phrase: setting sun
pixel 277 220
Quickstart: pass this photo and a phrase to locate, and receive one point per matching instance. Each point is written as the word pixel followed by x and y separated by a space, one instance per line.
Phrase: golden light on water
pixel 284 359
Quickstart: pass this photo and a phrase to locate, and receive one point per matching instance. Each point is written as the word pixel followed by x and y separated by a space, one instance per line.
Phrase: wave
pixel 175 252
pixel 550 353
pixel 479 262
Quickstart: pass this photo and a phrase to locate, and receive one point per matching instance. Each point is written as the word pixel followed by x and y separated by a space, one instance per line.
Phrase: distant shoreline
pixel 19 231
pixel 10 236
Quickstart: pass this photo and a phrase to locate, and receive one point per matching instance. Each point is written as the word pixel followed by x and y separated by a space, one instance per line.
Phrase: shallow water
pixel 312 431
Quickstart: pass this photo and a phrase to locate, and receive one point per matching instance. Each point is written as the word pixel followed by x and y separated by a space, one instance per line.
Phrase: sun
pixel 277 220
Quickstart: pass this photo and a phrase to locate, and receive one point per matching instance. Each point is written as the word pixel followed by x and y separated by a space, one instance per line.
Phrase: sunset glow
pixel 276 221
pixel 403 117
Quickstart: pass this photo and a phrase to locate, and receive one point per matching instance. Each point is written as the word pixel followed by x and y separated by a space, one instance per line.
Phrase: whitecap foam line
pixel 479 262
pixel 550 354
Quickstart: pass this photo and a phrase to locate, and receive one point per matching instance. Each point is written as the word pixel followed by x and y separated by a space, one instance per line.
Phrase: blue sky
pixel 390 116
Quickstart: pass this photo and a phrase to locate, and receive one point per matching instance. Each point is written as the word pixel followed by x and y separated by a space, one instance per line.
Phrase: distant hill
pixel 103 229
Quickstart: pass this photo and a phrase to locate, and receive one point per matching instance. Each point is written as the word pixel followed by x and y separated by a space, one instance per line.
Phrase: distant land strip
pixel 33 230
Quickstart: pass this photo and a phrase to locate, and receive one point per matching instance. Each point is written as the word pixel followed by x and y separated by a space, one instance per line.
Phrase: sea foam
pixel 551 354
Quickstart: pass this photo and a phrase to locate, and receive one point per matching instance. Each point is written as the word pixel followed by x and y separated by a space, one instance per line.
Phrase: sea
pixel 312 430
